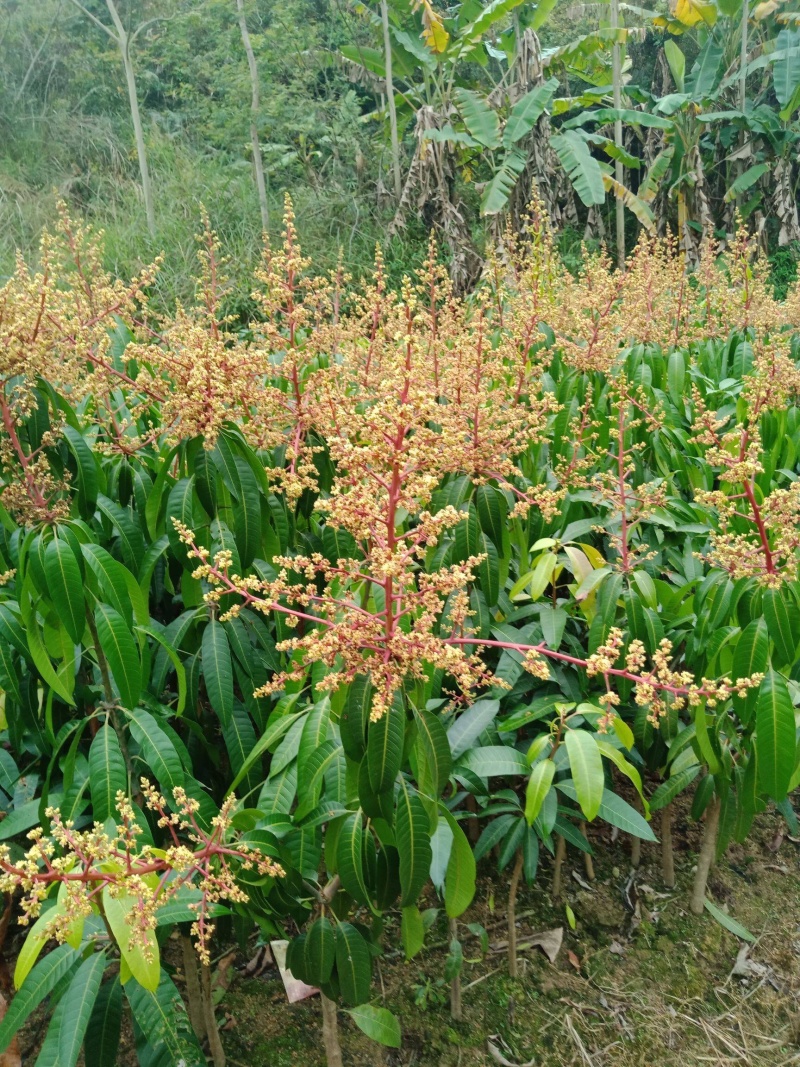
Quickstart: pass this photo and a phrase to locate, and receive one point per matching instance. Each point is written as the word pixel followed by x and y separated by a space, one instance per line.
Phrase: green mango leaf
pixel 537 789
pixel 320 950
pixel 775 736
pixel 107 773
pixel 378 1024
pixel 218 669
pixel 586 765
pixel 164 1036
pixel 459 881
pixel 157 749
pixel 413 843
pixel 412 930
pixel 105 1026
pixel 65 587
pixel 79 1000
pixel 353 965
pixel 385 747
pixel 118 910
pixel 34 987
pixel 121 654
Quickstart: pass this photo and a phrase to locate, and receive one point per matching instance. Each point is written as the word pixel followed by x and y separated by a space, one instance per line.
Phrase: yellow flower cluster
pixel 86 863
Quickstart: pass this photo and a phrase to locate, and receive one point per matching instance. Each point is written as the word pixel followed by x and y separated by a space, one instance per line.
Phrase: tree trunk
pixel 255 105
pixel 619 173
pixel 455 983
pixel 667 856
pixel 513 970
pixel 194 996
pixel 212 1031
pixel 330 1032
pixel 387 50
pixel 743 57
pixel 706 858
pixel 561 854
pixel 123 41
pixel 588 862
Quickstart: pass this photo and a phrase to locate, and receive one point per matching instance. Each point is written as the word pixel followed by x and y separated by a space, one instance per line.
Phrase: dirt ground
pixel 648 987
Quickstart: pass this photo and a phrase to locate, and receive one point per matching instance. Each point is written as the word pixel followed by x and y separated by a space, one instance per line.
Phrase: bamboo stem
pixel 513 968
pixel 706 858
pixel 667 855
pixel 330 1032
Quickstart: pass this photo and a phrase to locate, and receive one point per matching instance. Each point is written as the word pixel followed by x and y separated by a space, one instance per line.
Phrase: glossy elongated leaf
pixel 37 650
pixel 316 731
pixel 353 965
pixel 121 654
pixel 587 770
pixel 39 983
pixel 433 753
pixel 470 724
pixel 320 950
pixel 412 930
pixel 413 843
pixel 164 1035
pixel 35 940
pixel 120 914
pixel 65 587
pixel 615 811
pixel 87 480
pixel 385 747
pixel 782 617
pixel 79 1000
pixel 623 765
pixel 157 749
pixel 269 738
pixel 728 921
pixel 378 1024
pixel 494 760
pixel 107 773
pixel 775 736
pixel 354 717
pixel 350 857
pixel 105 1026
pixel 130 536
pixel 750 656
pixel 675 784
pixel 218 669
pixel 537 789
pixel 459 881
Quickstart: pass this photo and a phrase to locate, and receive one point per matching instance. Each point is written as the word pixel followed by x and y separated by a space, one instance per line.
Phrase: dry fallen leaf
pixel 747 968
pixel 498 1057
pixel 549 941
pixel 574 961
pixel 259 963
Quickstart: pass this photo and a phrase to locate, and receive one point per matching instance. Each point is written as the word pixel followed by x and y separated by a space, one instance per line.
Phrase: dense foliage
pixel 285 610
pixel 387 115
